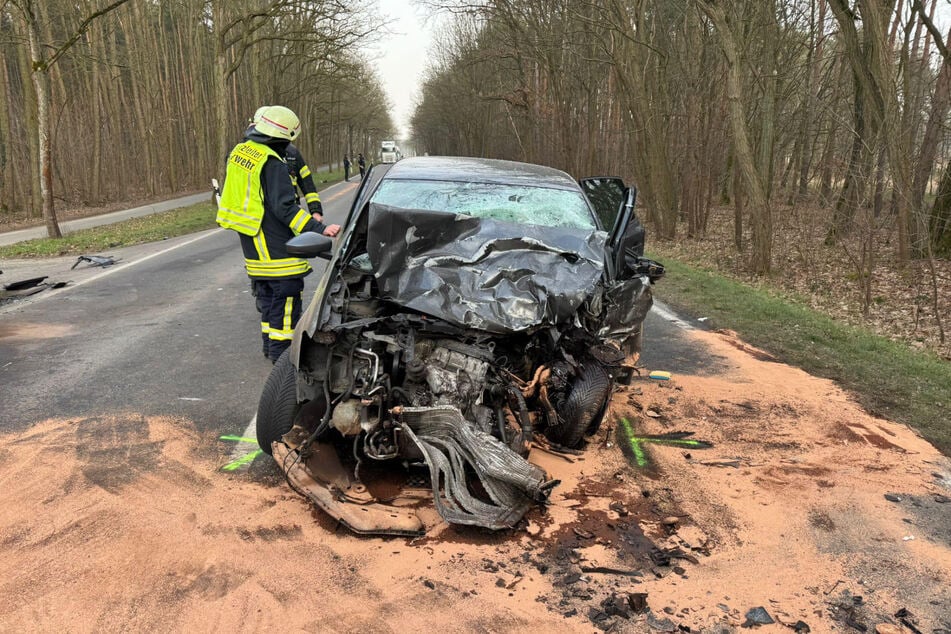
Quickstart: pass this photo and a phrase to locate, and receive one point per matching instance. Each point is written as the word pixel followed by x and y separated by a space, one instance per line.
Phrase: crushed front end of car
pixel 448 344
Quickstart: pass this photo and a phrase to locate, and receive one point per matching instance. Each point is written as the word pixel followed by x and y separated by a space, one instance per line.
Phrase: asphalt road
pixel 173 331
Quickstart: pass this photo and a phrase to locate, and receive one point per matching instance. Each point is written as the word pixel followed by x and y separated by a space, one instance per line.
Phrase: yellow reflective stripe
pixel 312 198
pixel 240 214
pixel 276 268
pixel 260 245
pixel 276 274
pixel 288 310
pixel 304 172
pixel 265 327
pixel 280 335
pixel 247 193
pixel 232 223
pixel 275 264
pixel 300 219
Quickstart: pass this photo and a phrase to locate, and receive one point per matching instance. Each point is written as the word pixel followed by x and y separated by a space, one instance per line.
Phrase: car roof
pixel 480 170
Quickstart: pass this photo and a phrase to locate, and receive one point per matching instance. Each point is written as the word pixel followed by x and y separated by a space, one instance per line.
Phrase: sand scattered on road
pixel 125 523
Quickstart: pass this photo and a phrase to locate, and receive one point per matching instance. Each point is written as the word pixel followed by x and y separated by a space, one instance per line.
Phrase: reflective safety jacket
pixel 301 175
pixel 242 201
pixel 280 216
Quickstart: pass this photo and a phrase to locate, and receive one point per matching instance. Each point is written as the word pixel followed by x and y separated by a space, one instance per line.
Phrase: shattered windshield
pixel 521 204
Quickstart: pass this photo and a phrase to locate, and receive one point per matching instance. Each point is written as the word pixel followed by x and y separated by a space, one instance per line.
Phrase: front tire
pixel 278 406
pixel 583 408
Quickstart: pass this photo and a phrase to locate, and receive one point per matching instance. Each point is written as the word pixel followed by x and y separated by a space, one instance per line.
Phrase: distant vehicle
pixel 390 152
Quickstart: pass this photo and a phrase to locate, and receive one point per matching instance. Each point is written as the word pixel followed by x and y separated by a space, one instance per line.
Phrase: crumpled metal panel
pixel 480 273
pixel 455 451
pixel 624 307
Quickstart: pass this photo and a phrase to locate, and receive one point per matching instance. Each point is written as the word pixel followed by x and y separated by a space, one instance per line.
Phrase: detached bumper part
pixel 461 461
pixel 449 443
pixel 324 481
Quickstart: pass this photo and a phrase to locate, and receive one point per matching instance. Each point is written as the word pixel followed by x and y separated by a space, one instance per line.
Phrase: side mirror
pixel 310 245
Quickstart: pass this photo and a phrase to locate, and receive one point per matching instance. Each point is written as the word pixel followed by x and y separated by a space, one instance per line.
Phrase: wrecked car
pixel 472 306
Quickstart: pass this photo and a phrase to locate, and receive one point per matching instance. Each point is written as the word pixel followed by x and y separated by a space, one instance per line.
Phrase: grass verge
pixel 887 378
pixel 158 226
pixel 168 224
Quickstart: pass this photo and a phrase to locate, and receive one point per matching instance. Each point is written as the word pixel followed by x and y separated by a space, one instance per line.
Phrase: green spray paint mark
pixel 253 441
pixel 635 444
pixel 674 439
pixel 234 465
pixel 243 460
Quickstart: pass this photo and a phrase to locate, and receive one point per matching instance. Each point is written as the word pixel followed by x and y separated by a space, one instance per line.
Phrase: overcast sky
pixel 401 57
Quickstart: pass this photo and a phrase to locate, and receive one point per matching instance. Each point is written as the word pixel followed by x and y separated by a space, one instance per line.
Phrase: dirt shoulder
pixel 121 522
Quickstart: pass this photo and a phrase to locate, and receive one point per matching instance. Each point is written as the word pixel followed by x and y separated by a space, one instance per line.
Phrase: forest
pixel 117 100
pixel 801 141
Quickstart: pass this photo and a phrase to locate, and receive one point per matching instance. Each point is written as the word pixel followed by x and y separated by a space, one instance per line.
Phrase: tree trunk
pixel 41 86
pixel 760 213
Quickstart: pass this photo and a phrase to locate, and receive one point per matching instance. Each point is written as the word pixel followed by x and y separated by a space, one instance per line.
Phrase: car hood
pixel 479 273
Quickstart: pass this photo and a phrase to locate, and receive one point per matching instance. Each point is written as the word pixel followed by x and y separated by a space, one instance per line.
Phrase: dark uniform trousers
pixel 279 302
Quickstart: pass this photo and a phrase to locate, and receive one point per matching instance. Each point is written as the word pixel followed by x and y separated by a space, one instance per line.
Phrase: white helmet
pixel 257 114
pixel 277 122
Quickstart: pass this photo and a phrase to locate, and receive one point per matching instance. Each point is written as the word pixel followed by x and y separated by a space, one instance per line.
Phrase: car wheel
pixel 278 405
pixel 585 403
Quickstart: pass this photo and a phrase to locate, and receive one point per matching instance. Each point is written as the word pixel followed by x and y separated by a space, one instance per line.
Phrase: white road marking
pixel 112 269
pixel 665 313
pixel 189 398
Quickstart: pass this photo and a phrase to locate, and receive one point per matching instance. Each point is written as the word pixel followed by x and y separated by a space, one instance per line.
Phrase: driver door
pixel 613 204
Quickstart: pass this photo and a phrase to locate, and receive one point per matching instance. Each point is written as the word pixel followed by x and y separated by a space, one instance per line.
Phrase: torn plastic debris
pixel 25 284
pixel 95 260
pixel 25 288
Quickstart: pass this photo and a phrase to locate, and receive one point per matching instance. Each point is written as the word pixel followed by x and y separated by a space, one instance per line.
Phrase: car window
pixel 510 203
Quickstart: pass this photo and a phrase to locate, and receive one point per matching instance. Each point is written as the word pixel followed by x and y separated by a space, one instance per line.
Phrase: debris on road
pixel 32 282
pixel 27 287
pixel 95 260
pixel 757 616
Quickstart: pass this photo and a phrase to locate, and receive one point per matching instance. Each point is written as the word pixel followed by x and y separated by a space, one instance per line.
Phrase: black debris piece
pixel 906 618
pixel 638 601
pixel 617 605
pixel 24 284
pixel 757 616
pixel 95 260
pixel 801 627
pixel 598 615
pixel 892 497
pixel 680 553
pixel 619 508
pixel 659 557
pixel 605 570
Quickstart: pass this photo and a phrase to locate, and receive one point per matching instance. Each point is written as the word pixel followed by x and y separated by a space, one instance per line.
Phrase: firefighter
pixel 259 202
pixel 300 174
